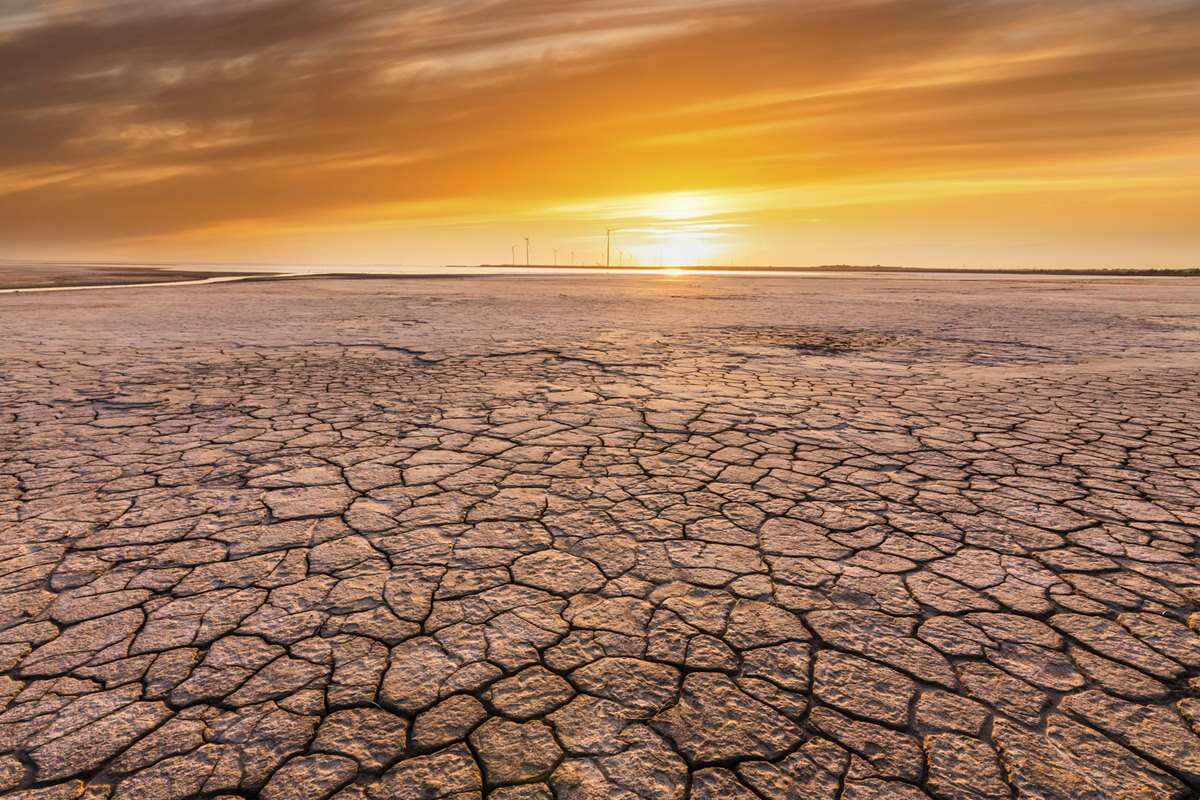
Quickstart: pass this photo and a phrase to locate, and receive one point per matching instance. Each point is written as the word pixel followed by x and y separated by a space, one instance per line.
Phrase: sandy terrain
pixel 601 537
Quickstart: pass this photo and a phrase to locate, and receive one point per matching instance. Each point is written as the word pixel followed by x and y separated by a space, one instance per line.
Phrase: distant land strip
pixel 1173 272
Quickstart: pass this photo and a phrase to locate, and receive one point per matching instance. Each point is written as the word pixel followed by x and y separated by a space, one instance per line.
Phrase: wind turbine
pixel 527 251
pixel 608 246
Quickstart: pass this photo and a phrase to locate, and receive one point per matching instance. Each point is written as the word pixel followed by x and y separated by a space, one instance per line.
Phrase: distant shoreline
pixel 1161 272
pixel 34 276
pixel 43 277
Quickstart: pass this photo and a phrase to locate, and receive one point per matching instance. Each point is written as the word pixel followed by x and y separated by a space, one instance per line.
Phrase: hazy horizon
pixel 384 268
pixel 934 133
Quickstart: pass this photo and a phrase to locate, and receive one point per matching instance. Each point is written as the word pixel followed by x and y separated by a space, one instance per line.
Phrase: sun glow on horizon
pixel 676 229
pixel 915 132
pixel 683 248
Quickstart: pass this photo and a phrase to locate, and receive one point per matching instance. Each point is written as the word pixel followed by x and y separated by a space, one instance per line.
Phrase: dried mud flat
pixel 602 538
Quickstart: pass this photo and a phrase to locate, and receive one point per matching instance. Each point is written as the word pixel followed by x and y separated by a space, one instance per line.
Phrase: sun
pixel 686 248
pixel 680 229
pixel 684 229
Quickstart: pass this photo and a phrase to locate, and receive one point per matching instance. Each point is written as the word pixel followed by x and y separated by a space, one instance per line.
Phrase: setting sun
pixel 688 232
pixel 682 248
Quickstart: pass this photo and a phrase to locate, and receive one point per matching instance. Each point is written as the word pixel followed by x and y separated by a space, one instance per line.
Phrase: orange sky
pixel 916 132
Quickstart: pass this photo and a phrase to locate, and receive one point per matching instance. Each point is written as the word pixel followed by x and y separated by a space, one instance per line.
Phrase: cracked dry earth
pixel 601 538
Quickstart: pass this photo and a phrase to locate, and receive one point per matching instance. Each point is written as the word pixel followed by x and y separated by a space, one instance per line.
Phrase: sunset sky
pixel 916 132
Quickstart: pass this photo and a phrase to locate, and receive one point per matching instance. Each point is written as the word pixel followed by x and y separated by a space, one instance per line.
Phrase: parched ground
pixel 587 538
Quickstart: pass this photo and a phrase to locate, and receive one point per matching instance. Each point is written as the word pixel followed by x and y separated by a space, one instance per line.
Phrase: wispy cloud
pixel 145 121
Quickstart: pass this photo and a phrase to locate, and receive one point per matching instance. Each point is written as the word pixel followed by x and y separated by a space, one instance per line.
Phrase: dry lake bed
pixel 601 537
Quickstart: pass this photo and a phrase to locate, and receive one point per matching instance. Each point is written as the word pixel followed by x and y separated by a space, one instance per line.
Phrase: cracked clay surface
pixel 591 538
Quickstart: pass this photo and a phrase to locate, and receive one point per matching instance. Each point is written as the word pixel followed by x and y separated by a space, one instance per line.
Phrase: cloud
pixel 138 119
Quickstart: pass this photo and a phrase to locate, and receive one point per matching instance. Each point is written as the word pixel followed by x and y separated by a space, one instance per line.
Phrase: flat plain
pixel 602 537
